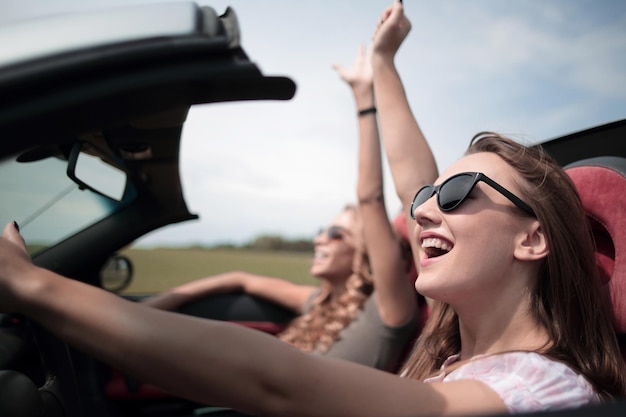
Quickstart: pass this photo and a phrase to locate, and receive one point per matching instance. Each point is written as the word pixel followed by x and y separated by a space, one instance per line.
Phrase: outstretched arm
pixel 277 290
pixel 213 362
pixel 394 294
pixel 410 159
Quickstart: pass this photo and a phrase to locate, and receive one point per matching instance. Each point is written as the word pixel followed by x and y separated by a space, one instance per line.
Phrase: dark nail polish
pixel 17 226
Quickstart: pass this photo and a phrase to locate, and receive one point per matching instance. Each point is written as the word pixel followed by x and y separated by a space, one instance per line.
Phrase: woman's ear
pixel 531 244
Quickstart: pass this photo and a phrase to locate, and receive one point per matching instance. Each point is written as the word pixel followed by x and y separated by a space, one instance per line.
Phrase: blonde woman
pixel 365 308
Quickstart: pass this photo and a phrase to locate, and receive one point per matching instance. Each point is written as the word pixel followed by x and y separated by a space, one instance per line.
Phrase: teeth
pixel 435 243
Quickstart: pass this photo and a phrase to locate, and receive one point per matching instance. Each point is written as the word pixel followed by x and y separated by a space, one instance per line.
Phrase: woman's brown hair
pixel 567 299
pixel 319 328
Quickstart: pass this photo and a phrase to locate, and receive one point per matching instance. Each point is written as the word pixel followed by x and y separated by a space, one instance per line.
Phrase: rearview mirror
pixel 91 172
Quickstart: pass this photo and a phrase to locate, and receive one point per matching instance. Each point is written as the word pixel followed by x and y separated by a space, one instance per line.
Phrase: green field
pixel 158 269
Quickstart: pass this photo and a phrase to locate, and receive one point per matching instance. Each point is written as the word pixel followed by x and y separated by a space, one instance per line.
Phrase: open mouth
pixel 320 255
pixel 434 247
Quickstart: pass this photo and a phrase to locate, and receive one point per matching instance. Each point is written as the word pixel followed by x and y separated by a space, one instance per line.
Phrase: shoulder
pixel 371 314
pixel 528 381
pixel 310 298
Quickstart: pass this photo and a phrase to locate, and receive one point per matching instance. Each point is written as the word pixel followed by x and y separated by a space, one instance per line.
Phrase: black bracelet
pixel 367 111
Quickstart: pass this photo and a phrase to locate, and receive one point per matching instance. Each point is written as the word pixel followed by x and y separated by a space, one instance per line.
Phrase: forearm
pixel 410 159
pixel 172 298
pixel 370 177
pixel 363 94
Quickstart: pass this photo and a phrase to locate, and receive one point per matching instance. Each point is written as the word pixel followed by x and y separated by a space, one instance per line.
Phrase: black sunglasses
pixel 333 232
pixel 452 192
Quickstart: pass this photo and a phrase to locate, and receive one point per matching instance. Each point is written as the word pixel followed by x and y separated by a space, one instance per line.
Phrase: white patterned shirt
pixel 525 381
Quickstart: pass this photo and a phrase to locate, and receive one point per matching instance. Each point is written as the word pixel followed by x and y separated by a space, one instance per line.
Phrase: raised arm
pixel 208 361
pixel 277 290
pixel 395 296
pixel 410 159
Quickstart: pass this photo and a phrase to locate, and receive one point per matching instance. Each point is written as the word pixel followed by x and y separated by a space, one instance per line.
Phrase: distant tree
pixel 301 245
pixel 278 243
pixel 268 242
pixel 225 246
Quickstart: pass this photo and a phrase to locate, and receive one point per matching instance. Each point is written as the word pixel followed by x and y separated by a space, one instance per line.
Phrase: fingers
pixel 381 21
pixel 340 70
pixel 359 56
pixel 11 233
pixel 391 30
pixel 395 11
pixel 360 51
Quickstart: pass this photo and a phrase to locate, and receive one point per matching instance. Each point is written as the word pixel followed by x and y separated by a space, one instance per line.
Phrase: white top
pixel 525 381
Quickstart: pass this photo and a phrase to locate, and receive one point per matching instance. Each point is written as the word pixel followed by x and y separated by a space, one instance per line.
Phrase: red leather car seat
pixel 601 183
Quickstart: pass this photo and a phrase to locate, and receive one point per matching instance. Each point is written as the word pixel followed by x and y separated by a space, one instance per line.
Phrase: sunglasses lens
pixel 334 233
pixel 454 191
pixel 421 197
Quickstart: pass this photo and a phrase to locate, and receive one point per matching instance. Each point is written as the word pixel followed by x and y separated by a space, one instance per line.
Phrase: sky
pixel 532 69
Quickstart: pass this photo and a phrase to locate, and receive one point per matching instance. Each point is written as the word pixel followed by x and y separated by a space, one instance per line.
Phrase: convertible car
pixel 90 131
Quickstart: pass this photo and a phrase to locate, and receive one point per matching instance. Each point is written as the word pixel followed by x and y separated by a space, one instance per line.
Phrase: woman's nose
pixel 427 212
pixel 318 239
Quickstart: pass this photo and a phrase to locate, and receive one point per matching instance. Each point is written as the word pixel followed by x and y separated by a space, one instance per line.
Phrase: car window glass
pixel 46 204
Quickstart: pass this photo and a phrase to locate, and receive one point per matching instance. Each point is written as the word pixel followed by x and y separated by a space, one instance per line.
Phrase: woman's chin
pixel 427 288
pixel 318 272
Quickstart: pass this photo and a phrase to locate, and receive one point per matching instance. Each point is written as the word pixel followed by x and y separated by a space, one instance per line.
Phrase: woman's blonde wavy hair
pixel 319 328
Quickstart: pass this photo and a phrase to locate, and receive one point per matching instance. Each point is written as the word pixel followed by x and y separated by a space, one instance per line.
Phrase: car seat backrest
pixel 601 184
